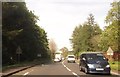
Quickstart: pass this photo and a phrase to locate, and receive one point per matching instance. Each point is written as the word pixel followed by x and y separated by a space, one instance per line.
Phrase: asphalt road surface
pixel 59 69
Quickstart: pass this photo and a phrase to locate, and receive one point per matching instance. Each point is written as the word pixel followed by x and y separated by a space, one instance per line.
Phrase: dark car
pixel 94 63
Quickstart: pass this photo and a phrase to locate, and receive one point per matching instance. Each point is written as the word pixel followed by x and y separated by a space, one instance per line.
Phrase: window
pixel 95 57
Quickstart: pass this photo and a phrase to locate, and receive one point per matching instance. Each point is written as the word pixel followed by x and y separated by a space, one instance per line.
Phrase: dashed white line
pixel 66 67
pixel 75 74
pixel 26 73
pixel 70 70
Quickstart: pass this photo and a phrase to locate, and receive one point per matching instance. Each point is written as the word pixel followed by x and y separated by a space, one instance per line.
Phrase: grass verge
pixel 115 65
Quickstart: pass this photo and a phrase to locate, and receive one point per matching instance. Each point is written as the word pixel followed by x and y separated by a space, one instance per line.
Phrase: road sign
pixel 109 51
pixel 38 55
pixel 19 50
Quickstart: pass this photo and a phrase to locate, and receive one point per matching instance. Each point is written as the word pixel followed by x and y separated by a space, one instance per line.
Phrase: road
pixel 58 69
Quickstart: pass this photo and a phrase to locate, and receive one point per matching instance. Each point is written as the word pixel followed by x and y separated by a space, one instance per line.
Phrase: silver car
pixel 71 58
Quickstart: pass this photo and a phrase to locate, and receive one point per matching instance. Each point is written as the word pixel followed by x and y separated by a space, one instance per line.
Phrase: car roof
pixel 91 53
pixel 71 55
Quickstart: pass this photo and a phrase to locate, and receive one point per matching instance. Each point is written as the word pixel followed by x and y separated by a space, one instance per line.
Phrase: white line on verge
pixel 26 73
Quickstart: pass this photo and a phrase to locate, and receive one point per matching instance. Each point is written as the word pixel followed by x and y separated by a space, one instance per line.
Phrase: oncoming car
pixel 57 60
pixel 94 63
pixel 71 58
pixel 58 57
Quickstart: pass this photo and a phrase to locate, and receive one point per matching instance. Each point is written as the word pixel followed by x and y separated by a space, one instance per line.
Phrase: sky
pixel 60 17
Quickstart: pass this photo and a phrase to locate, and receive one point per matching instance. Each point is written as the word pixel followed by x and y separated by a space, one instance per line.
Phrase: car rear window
pixel 95 57
pixel 70 56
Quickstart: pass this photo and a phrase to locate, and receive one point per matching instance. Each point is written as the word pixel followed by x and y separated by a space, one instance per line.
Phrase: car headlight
pixel 108 66
pixel 90 65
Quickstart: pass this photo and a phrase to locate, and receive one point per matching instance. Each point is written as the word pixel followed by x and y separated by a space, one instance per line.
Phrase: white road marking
pixel 26 73
pixel 75 74
pixel 66 67
pixel 70 70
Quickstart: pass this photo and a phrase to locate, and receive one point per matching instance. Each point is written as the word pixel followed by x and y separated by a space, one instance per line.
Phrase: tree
pixel 110 36
pixel 113 13
pixel 64 51
pixel 19 29
pixel 93 31
pixel 75 39
pixel 53 47
pixel 84 37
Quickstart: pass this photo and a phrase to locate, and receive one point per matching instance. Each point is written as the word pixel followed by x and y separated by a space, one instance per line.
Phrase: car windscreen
pixel 70 56
pixel 95 57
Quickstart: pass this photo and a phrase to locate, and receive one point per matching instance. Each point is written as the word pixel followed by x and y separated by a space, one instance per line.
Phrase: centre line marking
pixel 68 69
pixel 75 74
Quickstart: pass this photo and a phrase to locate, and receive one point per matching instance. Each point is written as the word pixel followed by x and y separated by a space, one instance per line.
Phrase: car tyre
pixel 109 73
pixel 86 70
pixel 80 68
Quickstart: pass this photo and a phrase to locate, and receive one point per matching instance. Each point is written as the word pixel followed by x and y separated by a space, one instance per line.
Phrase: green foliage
pixel 114 12
pixel 64 51
pixel 19 28
pixel 115 65
pixel 89 37
pixel 85 37
pixel 110 36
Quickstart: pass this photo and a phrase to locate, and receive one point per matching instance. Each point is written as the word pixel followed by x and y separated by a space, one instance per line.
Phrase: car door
pixel 83 61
